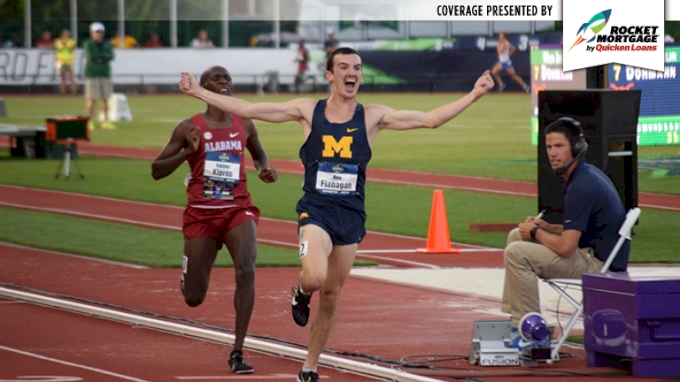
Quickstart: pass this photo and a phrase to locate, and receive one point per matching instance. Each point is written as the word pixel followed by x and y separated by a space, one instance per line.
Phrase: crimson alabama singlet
pixel 218 177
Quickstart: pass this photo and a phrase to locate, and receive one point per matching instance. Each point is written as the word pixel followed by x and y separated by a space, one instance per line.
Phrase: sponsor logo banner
pixel 613 31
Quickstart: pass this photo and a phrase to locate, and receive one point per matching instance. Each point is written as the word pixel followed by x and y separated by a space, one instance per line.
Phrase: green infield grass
pixel 395 209
pixel 120 242
pixel 490 139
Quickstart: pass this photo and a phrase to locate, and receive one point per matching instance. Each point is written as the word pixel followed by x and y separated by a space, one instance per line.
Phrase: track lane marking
pixel 67 363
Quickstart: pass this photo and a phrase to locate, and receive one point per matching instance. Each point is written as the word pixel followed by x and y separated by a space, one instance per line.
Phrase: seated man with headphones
pixel 593 213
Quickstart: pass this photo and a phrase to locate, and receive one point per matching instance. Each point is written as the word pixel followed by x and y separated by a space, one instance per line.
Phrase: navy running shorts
pixel 344 226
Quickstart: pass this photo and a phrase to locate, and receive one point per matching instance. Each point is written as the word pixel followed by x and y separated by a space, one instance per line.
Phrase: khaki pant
pixel 98 88
pixel 526 260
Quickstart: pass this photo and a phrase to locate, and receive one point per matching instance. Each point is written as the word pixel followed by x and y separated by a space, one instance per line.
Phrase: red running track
pixel 380 319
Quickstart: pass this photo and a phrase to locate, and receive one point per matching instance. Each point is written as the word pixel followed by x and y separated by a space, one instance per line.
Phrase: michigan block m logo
pixel 331 147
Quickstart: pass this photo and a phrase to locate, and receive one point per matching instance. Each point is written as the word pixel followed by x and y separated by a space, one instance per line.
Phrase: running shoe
pixel 308 376
pixel 238 365
pixel 301 306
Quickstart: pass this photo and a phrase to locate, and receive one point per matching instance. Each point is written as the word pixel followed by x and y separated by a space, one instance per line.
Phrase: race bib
pixel 336 178
pixel 221 173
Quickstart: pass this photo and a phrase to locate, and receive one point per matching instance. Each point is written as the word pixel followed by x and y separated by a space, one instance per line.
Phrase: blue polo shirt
pixel 593 206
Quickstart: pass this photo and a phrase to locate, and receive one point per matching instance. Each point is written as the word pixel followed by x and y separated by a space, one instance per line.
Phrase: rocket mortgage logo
pixel 620 37
pixel 615 33
pixel 588 31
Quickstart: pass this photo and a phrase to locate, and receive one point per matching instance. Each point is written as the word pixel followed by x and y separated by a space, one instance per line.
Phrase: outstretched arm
pixel 266 173
pixel 183 142
pixel 409 119
pixel 265 111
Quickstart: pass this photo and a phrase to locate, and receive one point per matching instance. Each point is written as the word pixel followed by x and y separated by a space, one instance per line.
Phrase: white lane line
pixel 240 377
pixel 270 348
pixel 178 228
pixel 390 259
pixel 91 216
pixel 665 208
pixel 43 378
pixel 6 244
pixel 11 302
pixel 428 185
pixel 94 369
pixel 31 189
pixel 416 251
pixel 125 221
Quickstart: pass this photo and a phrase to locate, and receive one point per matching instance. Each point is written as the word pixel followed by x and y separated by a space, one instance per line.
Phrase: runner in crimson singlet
pixel 219 209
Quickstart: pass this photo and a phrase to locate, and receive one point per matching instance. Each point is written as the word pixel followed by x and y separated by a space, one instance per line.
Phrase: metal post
pixel 74 20
pixel 225 23
pixel 28 24
pixel 277 24
pixel 67 162
pixel 173 23
pixel 121 23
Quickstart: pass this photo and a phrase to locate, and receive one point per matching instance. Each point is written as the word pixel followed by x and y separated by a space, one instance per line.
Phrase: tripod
pixel 69 150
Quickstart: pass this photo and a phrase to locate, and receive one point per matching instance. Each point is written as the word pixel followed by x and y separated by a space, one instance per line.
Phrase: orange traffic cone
pixel 438 237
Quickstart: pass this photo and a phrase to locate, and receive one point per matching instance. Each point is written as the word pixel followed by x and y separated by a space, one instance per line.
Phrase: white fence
pixel 22 67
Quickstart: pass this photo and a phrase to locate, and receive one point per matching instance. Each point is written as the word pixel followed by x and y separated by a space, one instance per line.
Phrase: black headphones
pixel 579 145
pixel 579 148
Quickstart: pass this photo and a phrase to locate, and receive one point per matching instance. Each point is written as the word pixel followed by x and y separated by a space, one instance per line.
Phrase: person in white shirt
pixel 506 49
pixel 202 41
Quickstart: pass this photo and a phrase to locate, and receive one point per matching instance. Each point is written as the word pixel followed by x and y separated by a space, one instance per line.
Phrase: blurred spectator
pixel 202 41
pixel 16 41
pixel 330 44
pixel 154 41
pixel 98 86
pixel 45 41
pixel 64 52
pixel 130 42
pixel 302 60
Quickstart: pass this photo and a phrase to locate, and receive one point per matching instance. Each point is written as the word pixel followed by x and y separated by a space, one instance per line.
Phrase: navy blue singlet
pixel 335 157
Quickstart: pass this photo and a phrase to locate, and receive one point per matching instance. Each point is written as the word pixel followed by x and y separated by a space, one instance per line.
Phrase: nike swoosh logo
pixel 523 343
pixel 232 135
pixel 352 130
pixel 250 213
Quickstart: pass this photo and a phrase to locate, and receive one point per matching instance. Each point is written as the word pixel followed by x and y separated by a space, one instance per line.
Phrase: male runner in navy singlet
pixel 338 134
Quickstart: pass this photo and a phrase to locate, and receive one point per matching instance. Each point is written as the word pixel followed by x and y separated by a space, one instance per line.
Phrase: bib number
pixel 337 178
pixel 221 172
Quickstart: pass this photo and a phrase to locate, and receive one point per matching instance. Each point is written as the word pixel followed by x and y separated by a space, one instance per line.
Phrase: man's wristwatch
pixel 533 232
